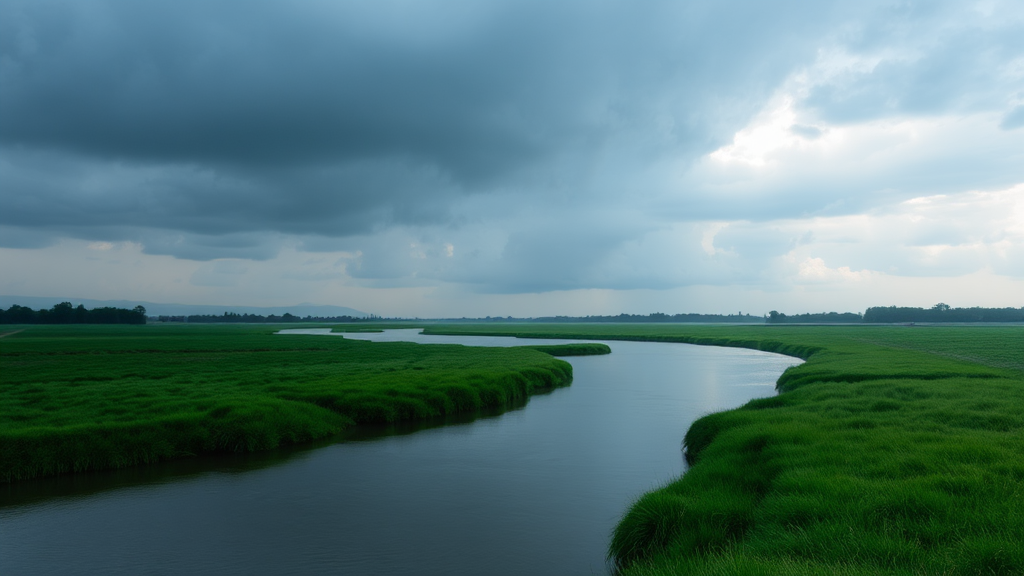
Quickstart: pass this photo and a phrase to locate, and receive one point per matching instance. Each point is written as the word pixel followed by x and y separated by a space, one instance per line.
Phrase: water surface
pixel 532 491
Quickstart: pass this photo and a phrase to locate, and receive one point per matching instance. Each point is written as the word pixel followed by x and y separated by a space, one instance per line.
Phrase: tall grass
pixel 892 450
pixel 76 398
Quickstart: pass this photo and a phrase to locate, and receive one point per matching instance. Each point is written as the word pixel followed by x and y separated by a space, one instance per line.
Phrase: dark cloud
pixel 543 141
pixel 339 118
pixel 246 245
pixel 18 237
pixel 924 58
pixel 58 190
pixel 208 83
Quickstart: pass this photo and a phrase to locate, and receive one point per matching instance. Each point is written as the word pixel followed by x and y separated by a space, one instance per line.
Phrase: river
pixel 536 490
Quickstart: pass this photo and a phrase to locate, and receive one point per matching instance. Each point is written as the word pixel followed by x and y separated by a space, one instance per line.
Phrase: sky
pixel 449 158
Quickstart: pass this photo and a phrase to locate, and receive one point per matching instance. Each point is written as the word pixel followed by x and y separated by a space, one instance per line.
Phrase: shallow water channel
pixel 536 490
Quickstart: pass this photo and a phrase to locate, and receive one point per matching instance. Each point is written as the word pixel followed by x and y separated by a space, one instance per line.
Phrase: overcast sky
pixel 471 158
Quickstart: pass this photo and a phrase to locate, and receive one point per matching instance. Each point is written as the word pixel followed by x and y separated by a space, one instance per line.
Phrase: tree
pixel 20 315
pixel 63 313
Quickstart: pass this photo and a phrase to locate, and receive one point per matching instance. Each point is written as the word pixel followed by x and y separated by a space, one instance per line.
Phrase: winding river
pixel 536 490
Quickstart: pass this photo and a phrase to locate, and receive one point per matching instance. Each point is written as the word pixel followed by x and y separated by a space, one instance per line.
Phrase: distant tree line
pixel 895 314
pixel 942 313
pixel 232 317
pixel 821 318
pixel 66 313
pixel 659 317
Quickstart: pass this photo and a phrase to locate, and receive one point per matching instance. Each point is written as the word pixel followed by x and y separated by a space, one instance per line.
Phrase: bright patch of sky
pixel 454 158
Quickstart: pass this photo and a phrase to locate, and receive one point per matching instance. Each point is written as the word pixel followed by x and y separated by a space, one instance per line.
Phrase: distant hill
pixel 158 309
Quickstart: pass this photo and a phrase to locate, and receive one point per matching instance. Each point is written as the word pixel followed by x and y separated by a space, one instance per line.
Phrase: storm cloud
pixel 503 147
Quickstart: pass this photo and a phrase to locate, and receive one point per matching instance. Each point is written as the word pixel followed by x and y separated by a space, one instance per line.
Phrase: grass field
pixel 892 450
pixel 76 398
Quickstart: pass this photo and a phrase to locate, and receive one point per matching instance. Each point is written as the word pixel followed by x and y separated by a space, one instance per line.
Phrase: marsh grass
pixel 892 450
pixel 76 398
pixel 574 349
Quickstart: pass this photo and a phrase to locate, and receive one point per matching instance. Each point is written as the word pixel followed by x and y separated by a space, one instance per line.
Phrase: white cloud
pixel 850 169
pixel 776 129
pixel 815 270
pixel 707 240
pixel 940 236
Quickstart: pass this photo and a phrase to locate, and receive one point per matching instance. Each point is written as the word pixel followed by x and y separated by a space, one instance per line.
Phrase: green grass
pixel 892 450
pixel 76 398
pixel 580 349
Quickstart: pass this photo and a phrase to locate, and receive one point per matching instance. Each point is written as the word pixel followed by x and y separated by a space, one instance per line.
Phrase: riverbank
pixel 78 398
pixel 892 450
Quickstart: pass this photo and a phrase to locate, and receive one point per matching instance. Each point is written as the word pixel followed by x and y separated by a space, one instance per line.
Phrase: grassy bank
pixel 892 450
pixel 75 398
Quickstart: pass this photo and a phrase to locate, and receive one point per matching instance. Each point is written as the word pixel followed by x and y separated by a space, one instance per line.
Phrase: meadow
pixel 80 397
pixel 891 450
